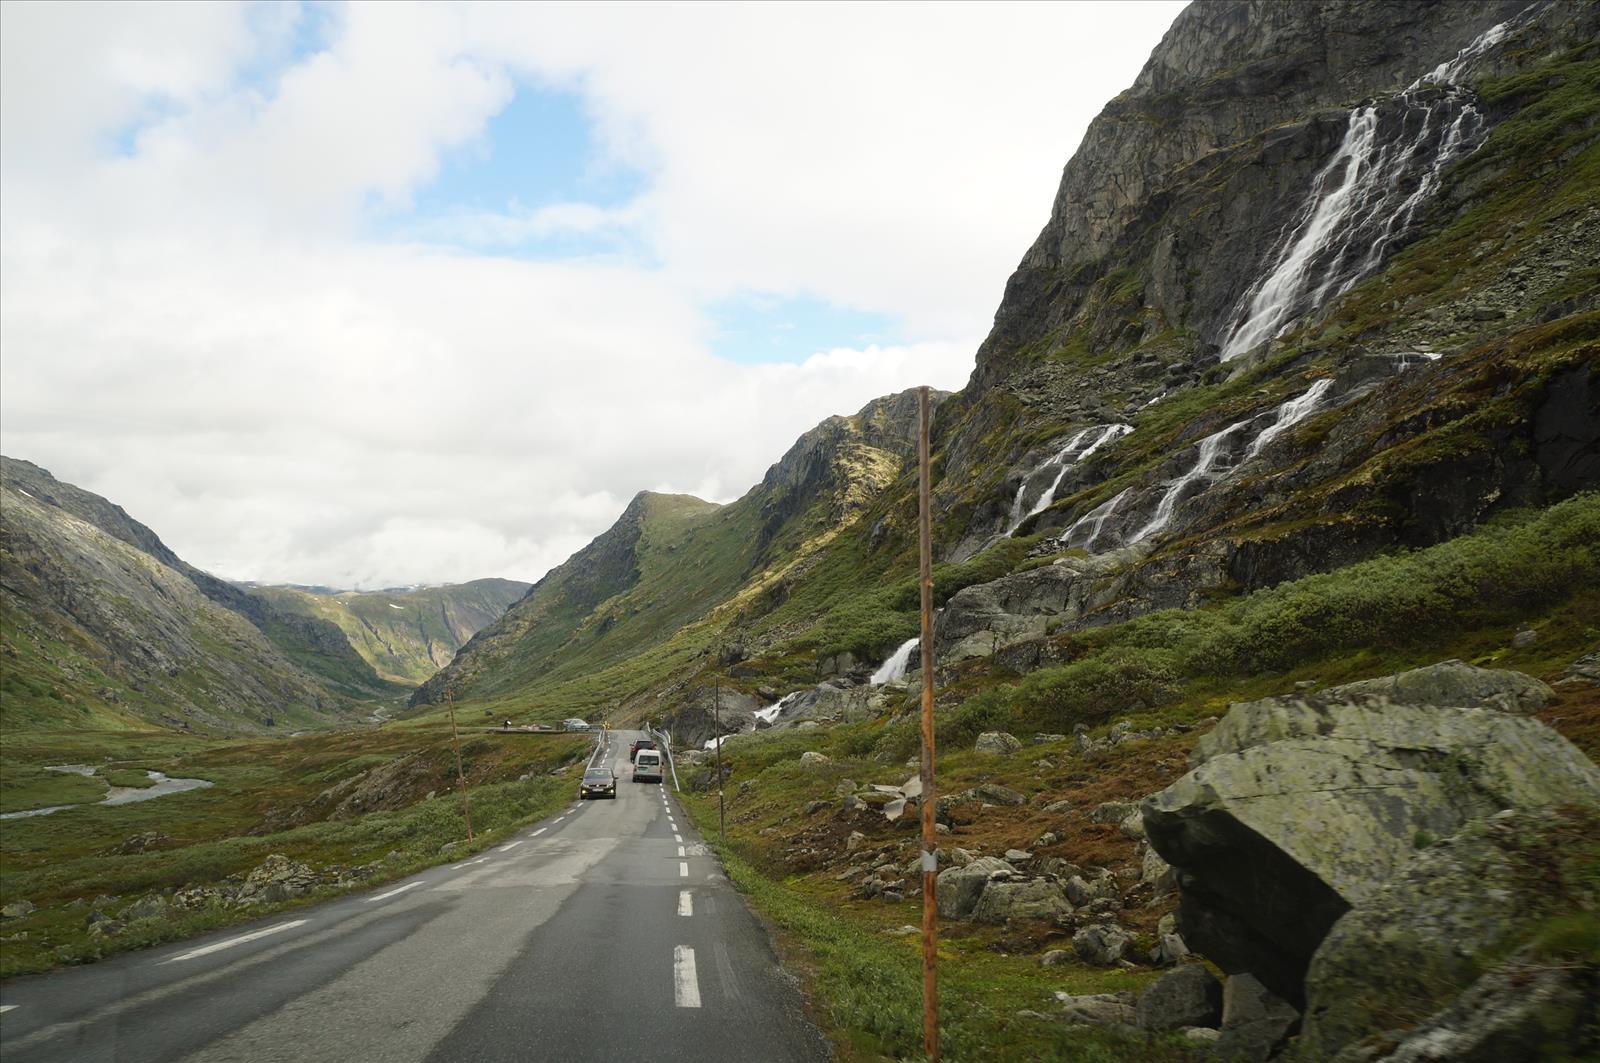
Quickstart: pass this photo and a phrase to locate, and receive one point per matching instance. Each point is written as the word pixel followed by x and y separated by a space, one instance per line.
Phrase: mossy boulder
pixel 1461 954
pixel 1302 808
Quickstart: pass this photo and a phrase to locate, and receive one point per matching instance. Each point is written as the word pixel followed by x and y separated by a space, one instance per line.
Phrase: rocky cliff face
pixel 106 626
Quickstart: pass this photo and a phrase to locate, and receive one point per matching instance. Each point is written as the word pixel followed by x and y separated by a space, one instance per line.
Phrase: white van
pixel 647 766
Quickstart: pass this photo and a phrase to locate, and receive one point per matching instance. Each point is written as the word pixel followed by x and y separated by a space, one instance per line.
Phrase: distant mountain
pixel 669 560
pixel 405 634
pixel 105 626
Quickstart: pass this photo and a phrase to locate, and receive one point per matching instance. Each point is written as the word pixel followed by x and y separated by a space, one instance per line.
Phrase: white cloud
pixel 199 329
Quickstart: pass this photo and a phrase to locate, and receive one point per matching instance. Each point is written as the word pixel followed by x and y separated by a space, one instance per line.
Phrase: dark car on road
pixel 598 782
pixel 643 743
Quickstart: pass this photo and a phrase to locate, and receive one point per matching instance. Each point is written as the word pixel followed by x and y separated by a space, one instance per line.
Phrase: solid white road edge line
pixel 683 870
pixel 685 904
pixel 231 942
pixel 685 985
pixel 402 889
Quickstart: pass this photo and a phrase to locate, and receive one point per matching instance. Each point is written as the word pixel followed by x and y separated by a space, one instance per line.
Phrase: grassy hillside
pixel 405 635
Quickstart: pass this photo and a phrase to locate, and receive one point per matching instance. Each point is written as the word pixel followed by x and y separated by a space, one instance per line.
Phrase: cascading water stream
pixel 1086 529
pixel 894 669
pixel 1290 414
pixel 1211 464
pixel 1076 449
pixel 1363 200
pixel 1211 454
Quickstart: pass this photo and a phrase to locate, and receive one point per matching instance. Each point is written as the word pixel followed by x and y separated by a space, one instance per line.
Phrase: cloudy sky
pixel 378 294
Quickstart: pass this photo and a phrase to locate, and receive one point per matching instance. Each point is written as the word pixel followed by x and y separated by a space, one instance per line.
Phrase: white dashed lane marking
pixel 407 886
pixel 683 869
pixel 538 832
pixel 231 942
pixel 685 902
pixel 680 851
pixel 6 1007
pixel 677 837
pixel 685 983
pixel 506 848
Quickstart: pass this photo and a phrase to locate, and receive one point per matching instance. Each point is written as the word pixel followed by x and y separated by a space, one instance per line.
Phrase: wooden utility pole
pixel 930 860
pixel 716 734
pixel 461 779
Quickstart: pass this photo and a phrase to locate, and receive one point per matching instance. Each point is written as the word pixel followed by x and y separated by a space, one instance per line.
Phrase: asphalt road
pixel 605 932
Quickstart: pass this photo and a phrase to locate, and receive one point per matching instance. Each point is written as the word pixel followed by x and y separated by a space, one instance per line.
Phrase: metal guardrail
pixel 665 738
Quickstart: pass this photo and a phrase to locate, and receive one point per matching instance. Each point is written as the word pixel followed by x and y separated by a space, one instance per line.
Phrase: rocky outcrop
pixel 981 619
pixel 1300 808
pixel 1455 684
pixel 1445 961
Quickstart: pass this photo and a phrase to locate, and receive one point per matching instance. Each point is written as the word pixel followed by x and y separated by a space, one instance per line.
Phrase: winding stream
pixel 115 795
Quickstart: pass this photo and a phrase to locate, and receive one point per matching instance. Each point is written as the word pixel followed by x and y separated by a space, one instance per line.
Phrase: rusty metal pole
pixel 930 861
pixel 461 779
pixel 716 733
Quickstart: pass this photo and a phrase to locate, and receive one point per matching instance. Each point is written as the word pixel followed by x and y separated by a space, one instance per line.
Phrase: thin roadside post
pixel 716 734
pixel 930 859
pixel 461 779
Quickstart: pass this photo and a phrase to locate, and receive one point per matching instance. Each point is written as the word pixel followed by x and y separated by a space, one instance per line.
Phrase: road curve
pixel 606 931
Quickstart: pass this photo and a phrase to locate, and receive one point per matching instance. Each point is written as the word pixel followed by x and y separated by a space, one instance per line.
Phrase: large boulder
pixel 1301 808
pixel 1034 899
pixel 1187 996
pixel 960 888
pixel 1445 957
pixel 1454 684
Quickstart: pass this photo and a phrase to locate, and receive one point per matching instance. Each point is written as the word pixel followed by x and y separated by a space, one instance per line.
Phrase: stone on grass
pixel 1034 899
pixel 1255 1021
pixel 855 840
pixel 1056 808
pixel 960 888
pixel 1055 958
pixel 1098 1009
pixel 996 794
pixel 1169 950
pixel 812 759
pixel 1455 685
pixel 1206 1036
pixel 150 906
pixel 1104 944
pixel 997 742
pixel 17 909
pixel 813 807
pixel 1190 995
pixel 1016 856
pixel 1112 811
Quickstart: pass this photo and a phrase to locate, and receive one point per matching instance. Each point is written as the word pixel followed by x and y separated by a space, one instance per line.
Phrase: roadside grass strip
pixel 231 942
pixel 685 983
pixel 402 889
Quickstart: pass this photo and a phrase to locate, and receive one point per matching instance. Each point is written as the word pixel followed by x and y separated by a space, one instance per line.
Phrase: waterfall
pixel 1290 414
pixel 1210 457
pixel 1086 528
pixel 771 713
pixel 1076 449
pixel 1363 200
pixel 894 669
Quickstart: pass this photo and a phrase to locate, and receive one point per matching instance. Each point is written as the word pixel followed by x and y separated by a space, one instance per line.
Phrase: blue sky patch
pixel 753 328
